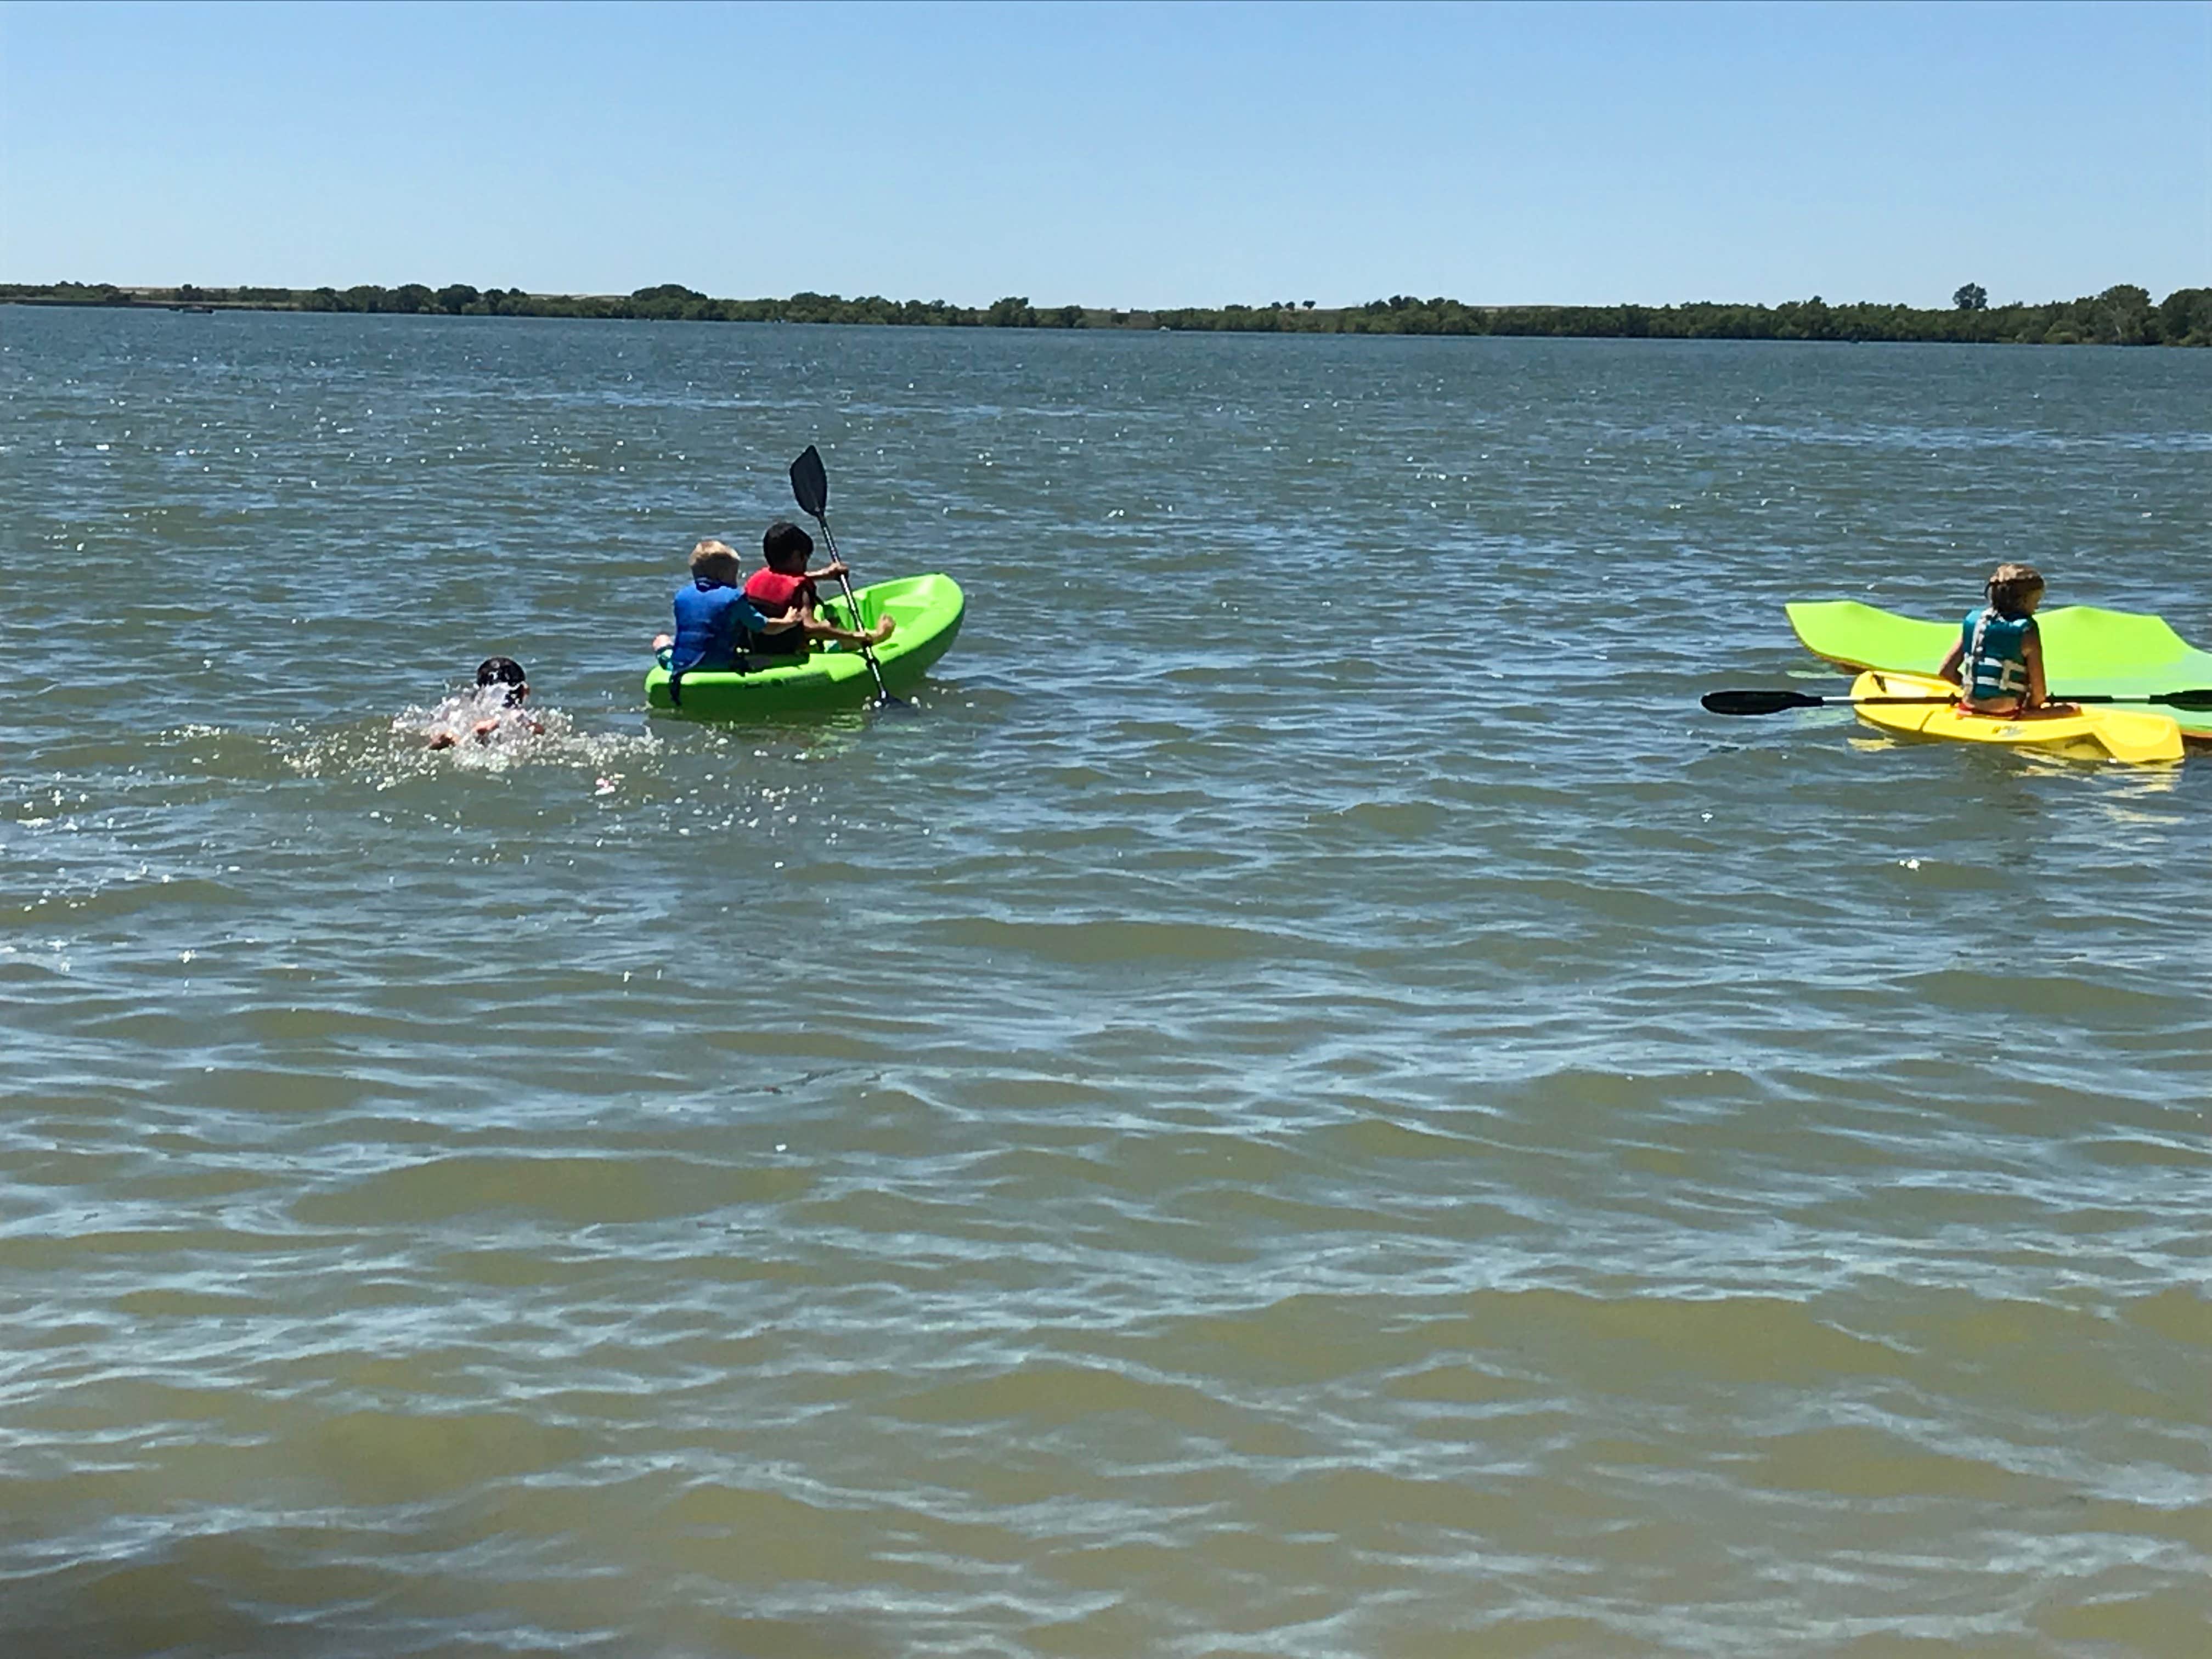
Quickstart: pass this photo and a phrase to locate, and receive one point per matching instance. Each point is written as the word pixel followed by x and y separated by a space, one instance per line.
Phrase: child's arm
pixel 819 630
pixel 1949 671
pixel 2039 689
pixel 830 572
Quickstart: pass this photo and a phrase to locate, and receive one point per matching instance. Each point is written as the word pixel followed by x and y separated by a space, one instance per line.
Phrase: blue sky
pixel 1126 155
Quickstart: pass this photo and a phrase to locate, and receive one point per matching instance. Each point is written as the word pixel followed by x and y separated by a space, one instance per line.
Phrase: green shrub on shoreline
pixel 2122 315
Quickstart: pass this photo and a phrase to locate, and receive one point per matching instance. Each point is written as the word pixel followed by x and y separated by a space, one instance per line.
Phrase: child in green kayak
pixel 1997 662
pixel 722 624
pixel 716 624
pixel 784 582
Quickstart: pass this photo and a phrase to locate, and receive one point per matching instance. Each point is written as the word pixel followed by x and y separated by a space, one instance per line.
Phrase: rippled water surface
pixel 1311 1102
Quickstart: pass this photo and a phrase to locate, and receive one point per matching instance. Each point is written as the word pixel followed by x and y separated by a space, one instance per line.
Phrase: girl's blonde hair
pixel 2012 585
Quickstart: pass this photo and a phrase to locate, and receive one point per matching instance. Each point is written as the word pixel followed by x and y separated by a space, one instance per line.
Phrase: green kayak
pixel 926 609
pixel 2086 650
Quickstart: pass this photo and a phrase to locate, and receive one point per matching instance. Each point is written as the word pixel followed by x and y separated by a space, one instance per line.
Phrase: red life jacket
pixel 774 592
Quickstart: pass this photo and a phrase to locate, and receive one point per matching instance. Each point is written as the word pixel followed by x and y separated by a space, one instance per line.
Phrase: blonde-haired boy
pixel 714 621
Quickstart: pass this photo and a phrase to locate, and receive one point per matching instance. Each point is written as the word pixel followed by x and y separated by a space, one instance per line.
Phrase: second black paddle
pixel 1773 703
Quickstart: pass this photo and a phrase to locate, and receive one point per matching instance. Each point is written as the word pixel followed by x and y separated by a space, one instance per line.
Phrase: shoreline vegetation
pixel 2122 315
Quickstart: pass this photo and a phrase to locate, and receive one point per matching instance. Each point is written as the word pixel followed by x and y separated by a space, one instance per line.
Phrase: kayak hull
pixel 2090 733
pixel 2086 651
pixel 927 611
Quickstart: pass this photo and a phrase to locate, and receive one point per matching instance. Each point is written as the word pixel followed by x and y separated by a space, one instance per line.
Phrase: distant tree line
pixel 2121 315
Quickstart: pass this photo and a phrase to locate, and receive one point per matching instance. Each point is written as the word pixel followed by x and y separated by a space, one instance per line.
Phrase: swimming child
pixel 503 677
pixel 716 624
pixel 1997 664
pixel 786 582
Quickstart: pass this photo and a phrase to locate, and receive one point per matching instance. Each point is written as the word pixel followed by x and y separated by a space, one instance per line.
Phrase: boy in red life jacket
pixel 787 584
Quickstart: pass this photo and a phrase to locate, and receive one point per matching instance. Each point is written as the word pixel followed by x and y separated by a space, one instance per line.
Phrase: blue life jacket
pixel 713 622
pixel 1993 663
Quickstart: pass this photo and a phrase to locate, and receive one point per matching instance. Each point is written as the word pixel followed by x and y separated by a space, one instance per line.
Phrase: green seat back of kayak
pixel 2086 650
pixel 927 611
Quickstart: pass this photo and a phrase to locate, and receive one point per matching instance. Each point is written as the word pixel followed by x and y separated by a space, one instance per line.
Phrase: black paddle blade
pixel 2198 698
pixel 1757 702
pixel 809 484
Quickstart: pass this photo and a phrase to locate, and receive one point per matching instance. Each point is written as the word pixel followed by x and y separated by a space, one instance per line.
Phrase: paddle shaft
pixel 1774 702
pixel 809 488
pixel 852 609
pixel 2085 696
pixel 1854 702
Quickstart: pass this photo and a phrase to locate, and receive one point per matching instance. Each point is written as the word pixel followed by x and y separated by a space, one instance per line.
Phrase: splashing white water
pixel 485 735
pixel 480 720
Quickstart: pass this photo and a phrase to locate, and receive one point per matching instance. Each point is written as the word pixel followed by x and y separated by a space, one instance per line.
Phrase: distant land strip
pixel 2121 315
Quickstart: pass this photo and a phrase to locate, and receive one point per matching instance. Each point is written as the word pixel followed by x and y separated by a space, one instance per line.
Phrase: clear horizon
pixel 1116 156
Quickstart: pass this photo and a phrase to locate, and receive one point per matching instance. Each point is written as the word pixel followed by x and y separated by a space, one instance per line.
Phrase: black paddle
pixel 1773 703
pixel 809 488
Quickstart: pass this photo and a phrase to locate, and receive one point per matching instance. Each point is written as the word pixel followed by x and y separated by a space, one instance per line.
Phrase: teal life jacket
pixel 1993 661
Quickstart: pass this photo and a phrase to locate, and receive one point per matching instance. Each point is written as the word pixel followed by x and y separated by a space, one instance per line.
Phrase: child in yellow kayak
pixel 1997 664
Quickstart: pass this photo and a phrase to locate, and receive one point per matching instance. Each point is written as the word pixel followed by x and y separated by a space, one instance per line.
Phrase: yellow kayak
pixel 2118 653
pixel 2086 732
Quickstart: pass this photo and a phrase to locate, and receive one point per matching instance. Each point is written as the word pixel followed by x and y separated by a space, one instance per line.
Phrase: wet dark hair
pixel 2010 586
pixel 503 671
pixel 786 540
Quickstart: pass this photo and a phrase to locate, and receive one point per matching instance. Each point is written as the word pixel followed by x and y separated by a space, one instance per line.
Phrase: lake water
pixel 1310 1103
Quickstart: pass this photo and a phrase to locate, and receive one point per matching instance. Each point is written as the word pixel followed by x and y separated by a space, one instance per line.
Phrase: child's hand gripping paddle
pixel 809 488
